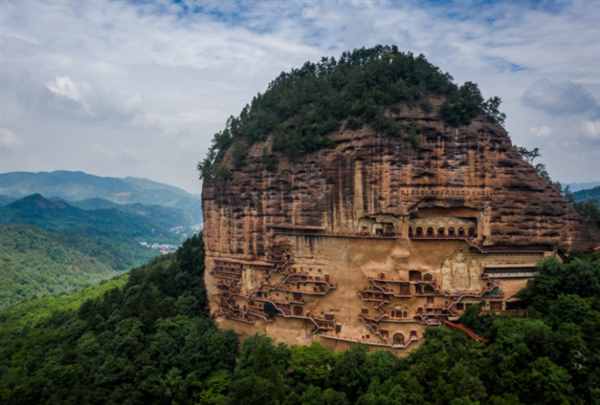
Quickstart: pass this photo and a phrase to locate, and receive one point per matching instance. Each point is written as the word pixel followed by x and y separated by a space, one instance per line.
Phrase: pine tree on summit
pixel 302 107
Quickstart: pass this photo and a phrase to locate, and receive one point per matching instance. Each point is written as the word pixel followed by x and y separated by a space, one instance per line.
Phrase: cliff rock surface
pixel 372 237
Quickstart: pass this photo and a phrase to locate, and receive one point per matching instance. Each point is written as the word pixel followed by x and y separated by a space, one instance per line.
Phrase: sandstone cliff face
pixel 474 167
pixel 374 239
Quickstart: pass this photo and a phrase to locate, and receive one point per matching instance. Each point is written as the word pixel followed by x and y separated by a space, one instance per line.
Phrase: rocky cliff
pixel 364 174
pixel 376 236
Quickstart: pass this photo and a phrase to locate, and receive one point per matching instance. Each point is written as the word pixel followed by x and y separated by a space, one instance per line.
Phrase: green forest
pixel 35 310
pixel 60 216
pixel 301 107
pixel 592 194
pixel 150 341
pixel 50 246
pixel 35 262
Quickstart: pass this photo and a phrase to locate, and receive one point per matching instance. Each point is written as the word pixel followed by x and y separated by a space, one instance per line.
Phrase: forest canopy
pixel 301 107
pixel 152 341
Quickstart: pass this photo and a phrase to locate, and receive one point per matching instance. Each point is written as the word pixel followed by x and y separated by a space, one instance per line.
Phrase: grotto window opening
pixel 398 339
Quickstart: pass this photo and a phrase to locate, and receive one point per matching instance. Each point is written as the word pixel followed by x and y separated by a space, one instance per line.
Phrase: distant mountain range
pixel 4 200
pixel 75 186
pixel 164 217
pixel 50 246
pixel 59 216
pixel 61 231
pixel 592 194
pixel 574 187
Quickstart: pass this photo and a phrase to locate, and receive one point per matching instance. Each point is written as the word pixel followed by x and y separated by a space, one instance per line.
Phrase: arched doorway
pixel 398 339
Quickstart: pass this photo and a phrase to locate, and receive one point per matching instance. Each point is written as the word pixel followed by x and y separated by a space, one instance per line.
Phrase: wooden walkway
pixel 467 331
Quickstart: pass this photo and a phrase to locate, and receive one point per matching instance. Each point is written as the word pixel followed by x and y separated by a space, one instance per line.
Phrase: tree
pixel 312 364
pixel 529 154
pixel 316 396
pixel 492 108
pixel 347 374
pixel 462 106
pixel 547 383
pixel 590 212
pixel 300 109
pixel 159 352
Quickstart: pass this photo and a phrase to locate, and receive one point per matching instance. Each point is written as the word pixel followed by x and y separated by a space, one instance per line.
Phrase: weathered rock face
pixel 374 239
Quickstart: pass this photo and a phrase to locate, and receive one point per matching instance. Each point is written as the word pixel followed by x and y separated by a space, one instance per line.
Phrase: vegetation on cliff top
pixel 300 108
pixel 151 341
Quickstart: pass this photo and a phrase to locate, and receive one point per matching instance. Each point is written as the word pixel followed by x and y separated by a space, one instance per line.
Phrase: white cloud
pixel 70 95
pixel 8 139
pixel 65 87
pixel 541 131
pixel 155 80
pixel 591 129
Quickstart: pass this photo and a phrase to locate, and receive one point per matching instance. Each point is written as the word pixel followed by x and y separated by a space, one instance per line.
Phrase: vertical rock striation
pixel 375 238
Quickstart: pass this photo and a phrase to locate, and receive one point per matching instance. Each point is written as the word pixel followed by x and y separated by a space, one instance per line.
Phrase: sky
pixel 138 87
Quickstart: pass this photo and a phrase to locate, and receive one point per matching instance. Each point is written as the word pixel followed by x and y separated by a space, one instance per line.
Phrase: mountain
pixel 575 187
pixel 106 224
pixel 5 200
pixel 170 218
pixel 321 167
pixel 592 194
pixel 77 186
pixel 94 204
pixel 35 262
pixel 57 215
pixel 50 246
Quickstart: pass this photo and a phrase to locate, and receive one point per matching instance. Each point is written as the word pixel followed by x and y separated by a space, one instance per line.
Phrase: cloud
pixel 8 139
pixel 156 78
pixel 562 98
pixel 591 129
pixel 541 131
pixel 64 87
pixel 69 94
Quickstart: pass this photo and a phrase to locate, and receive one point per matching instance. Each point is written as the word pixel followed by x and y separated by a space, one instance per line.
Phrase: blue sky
pixel 138 87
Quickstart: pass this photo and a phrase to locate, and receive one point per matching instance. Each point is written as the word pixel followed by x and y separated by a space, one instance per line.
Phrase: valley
pixel 52 245
pixel 365 231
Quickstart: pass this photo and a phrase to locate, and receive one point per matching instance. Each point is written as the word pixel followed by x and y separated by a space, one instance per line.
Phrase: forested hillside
pixel 592 194
pixel 161 217
pixel 33 311
pixel 5 200
pixel 50 246
pixel 56 215
pixel 34 262
pixel 151 342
